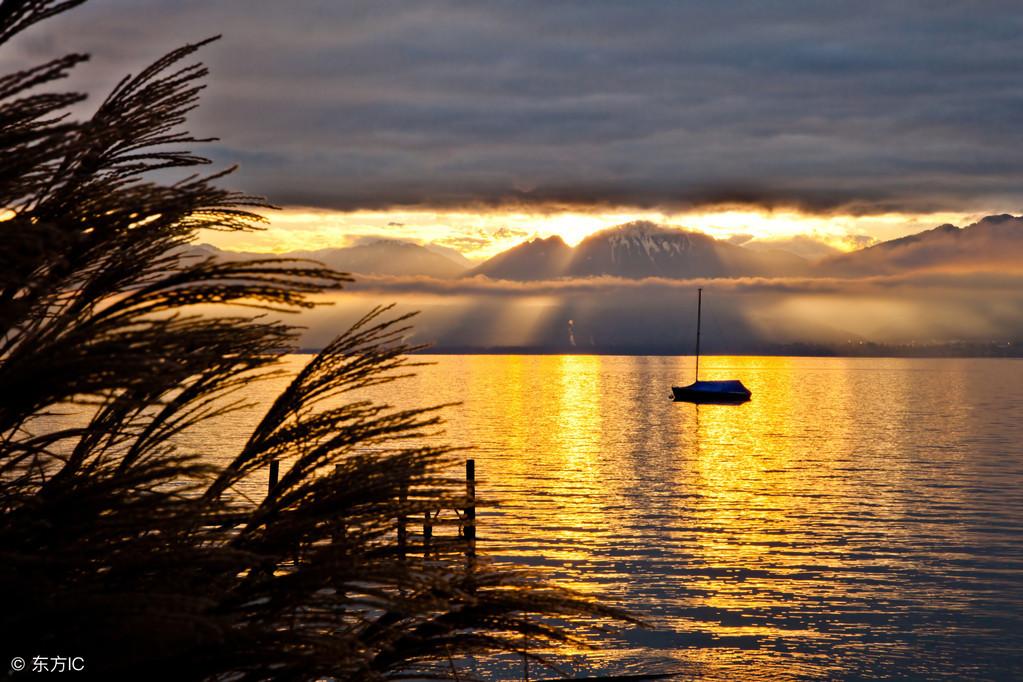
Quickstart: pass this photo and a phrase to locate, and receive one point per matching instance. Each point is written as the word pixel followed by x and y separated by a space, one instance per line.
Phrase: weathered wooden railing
pixel 467 535
pixel 466 515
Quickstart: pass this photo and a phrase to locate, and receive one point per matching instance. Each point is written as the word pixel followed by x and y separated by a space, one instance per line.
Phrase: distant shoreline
pixel 866 350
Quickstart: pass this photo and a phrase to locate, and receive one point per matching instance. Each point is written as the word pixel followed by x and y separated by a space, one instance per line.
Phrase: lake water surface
pixel 858 519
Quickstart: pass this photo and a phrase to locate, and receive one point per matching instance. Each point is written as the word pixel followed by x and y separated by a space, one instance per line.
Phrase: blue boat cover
pixel 733 386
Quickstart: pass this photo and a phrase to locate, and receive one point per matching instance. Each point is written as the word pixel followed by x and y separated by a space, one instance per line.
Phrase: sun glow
pixel 478 235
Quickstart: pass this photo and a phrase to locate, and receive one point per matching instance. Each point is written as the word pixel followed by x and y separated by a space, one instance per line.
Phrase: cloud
pixel 465 243
pixel 509 233
pixel 824 107
pixel 475 238
pixel 364 239
pixel 859 241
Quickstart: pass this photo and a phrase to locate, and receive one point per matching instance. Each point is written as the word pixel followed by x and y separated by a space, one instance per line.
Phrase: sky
pixel 477 125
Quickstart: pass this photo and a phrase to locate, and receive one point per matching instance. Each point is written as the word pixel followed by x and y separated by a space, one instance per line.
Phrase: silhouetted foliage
pixel 120 545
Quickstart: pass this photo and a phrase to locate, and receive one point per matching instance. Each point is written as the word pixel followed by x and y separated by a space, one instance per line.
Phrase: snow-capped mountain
pixel 636 250
pixel 643 249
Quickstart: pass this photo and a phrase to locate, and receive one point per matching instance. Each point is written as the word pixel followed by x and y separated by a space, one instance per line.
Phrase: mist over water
pixel 859 518
pixel 656 316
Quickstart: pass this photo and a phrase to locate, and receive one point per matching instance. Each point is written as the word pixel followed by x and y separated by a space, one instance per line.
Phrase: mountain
pixel 383 257
pixel 531 260
pixel 804 246
pixel 995 242
pixel 451 254
pixel 637 250
pixel 643 249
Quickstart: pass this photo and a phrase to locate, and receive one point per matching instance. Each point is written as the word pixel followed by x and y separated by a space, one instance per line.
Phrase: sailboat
pixel 729 391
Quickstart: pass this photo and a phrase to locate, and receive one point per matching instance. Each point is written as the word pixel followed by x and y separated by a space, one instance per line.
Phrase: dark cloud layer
pixel 866 107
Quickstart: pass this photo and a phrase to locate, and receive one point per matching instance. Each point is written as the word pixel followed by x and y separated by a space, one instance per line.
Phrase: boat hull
pixel 725 392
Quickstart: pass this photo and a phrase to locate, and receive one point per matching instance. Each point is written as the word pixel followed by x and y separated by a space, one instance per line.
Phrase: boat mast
pixel 699 306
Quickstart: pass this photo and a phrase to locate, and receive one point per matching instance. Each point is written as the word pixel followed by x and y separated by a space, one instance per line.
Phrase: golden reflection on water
pixel 843 522
pixel 548 404
pixel 753 496
pixel 780 533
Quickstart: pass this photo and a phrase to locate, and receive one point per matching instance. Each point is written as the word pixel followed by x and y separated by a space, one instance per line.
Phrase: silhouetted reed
pixel 123 547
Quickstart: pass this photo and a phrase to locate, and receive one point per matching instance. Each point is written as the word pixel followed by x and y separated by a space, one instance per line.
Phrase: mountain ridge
pixel 637 250
pixel 993 241
pixel 642 249
pixel 380 257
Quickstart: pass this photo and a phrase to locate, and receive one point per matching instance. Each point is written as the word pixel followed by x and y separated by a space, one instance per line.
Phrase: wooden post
pixel 275 472
pixel 402 520
pixel 469 530
pixel 525 657
pixel 340 531
pixel 427 533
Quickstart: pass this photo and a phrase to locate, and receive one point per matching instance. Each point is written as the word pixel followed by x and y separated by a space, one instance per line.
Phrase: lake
pixel 857 519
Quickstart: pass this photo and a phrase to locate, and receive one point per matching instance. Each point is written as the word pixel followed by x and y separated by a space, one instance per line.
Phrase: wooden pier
pixel 466 516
